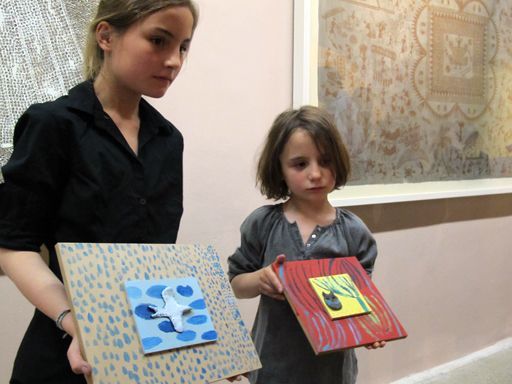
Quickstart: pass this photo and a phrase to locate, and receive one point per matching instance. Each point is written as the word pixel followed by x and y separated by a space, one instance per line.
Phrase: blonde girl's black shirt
pixel 73 178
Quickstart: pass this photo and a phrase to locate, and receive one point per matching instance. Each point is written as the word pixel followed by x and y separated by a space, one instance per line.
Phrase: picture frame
pixel 305 92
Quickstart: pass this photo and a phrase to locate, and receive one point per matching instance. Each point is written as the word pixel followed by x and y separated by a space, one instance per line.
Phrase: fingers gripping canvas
pixel 337 304
pixel 112 286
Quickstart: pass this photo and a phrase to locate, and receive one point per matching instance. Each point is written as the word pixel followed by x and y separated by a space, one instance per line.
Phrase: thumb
pixel 76 361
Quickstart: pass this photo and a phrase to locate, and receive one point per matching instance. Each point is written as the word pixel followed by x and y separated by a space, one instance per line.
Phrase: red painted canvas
pixel 326 334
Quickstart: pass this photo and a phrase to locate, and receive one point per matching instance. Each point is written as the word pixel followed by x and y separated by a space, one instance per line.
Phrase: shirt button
pixel 308 245
pixel 142 201
pixel 313 236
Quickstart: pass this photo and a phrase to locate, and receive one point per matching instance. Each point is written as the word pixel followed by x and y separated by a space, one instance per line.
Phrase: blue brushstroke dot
pixel 90 318
pixel 198 304
pixel 186 336
pixel 185 291
pixel 126 356
pixel 199 319
pixel 155 291
pixel 143 311
pixel 151 342
pixel 127 339
pixel 166 326
pixel 210 335
pixel 133 292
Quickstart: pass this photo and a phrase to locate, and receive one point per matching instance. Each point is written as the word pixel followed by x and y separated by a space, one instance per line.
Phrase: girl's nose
pixel 174 58
pixel 315 172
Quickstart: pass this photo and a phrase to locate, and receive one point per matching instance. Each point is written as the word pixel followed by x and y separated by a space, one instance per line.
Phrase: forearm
pixel 246 285
pixel 37 283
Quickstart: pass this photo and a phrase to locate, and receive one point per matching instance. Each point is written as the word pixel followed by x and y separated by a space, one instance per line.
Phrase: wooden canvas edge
pixel 78 331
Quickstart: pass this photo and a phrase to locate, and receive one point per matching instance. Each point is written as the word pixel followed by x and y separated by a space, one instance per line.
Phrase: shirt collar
pixel 83 98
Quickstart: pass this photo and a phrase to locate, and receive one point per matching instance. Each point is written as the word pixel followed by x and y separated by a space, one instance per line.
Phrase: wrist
pixel 60 319
pixel 66 323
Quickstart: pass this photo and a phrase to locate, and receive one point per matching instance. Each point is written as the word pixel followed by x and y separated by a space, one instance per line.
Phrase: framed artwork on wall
pixel 421 92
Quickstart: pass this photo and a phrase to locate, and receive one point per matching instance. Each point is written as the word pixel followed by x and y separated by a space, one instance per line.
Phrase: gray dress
pixel 284 351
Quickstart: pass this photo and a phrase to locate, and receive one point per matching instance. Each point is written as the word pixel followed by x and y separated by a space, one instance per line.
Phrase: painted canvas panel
pixel 95 275
pixel 326 334
pixel 169 313
pixel 339 296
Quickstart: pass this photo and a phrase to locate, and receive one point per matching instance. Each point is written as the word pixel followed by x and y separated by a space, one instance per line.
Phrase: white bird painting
pixel 171 309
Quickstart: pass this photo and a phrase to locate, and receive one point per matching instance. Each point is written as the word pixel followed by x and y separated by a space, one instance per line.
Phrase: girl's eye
pixel 158 41
pixel 300 165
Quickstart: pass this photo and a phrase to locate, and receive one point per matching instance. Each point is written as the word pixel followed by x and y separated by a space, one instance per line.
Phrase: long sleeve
pixel 249 256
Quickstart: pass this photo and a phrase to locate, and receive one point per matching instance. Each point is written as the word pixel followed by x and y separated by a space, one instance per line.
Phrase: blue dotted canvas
pixel 160 334
pixel 97 279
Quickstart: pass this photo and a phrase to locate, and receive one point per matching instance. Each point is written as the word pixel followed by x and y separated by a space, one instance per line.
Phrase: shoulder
pixel 41 121
pixel 80 99
pixel 48 109
pixel 265 213
pixel 262 217
pixel 60 115
pixel 351 221
pixel 359 239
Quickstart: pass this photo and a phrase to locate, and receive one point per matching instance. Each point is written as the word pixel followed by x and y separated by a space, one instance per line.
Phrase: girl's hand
pixel 76 361
pixel 269 283
pixel 237 377
pixel 260 282
pixel 376 345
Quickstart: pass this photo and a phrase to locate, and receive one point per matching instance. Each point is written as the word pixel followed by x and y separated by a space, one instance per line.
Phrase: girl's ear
pixel 104 32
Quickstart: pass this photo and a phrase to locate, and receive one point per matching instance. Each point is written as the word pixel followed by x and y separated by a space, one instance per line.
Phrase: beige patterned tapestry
pixel 41 56
pixel 421 89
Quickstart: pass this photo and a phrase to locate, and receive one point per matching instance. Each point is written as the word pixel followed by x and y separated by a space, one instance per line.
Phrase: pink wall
pixel 444 265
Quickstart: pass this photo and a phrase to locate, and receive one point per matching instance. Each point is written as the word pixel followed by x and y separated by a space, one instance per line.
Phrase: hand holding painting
pixel 302 161
pixel 78 171
pixel 269 283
